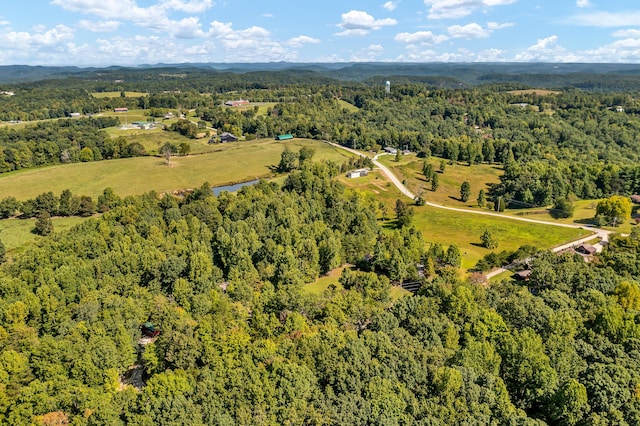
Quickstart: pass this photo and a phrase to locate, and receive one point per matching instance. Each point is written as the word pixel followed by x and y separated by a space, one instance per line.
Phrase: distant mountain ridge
pixel 586 76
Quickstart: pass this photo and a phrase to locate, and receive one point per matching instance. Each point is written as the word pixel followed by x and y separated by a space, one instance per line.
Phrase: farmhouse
pixel 121 110
pixel 239 102
pixel 228 137
pixel 284 137
pixel 358 173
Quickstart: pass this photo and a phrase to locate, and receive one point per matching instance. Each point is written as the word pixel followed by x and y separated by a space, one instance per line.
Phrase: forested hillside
pixel 241 342
pixel 197 310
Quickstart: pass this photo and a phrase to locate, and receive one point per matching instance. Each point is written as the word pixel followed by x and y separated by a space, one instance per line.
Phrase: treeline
pixel 62 141
pixel 66 204
pixel 242 343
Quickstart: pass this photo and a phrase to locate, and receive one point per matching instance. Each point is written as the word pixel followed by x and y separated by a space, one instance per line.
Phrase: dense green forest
pixel 242 343
pixel 225 278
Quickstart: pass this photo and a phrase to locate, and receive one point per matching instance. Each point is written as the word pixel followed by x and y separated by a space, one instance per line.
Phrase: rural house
pixel 357 173
pixel 284 137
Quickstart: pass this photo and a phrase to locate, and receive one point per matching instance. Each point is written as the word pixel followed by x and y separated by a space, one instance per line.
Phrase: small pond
pixel 232 188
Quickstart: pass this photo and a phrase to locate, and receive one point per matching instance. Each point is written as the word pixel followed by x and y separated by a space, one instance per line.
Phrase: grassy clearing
pixel 537 92
pixel 349 107
pixel 409 169
pixel 232 162
pixel 323 283
pixel 464 229
pixel 117 94
pixel 584 212
pixel 16 233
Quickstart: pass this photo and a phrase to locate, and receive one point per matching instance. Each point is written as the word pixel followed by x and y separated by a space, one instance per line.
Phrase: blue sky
pixel 132 32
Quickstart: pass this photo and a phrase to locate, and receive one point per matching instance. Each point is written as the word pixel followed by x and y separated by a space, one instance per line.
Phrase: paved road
pixel 603 234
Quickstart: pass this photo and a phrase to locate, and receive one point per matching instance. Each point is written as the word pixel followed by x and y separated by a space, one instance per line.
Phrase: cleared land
pixel 349 107
pixel 16 233
pixel 409 169
pixel 463 229
pixel 117 94
pixel 538 92
pixel 231 162
pixel 323 283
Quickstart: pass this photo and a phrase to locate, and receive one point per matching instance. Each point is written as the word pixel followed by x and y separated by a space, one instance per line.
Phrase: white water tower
pixel 387 87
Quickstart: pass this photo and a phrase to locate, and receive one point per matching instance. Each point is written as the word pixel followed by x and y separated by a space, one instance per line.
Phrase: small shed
pixel 228 137
pixel 390 150
pixel 121 110
pixel 586 249
pixel 357 173
pixel 284 137
pixel 149 329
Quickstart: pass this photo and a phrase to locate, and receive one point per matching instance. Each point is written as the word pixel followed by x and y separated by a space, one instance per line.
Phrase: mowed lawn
pixel 464 229
pixel 231 163
pixel 479 176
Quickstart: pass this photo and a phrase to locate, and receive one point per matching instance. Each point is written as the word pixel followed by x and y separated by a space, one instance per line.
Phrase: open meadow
pixel 463 229
pixel 16 234
pixel 409 170
pixel 229 163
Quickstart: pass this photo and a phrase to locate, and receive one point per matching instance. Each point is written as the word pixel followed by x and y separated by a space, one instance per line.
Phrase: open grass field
pixel 464 229
pixel 117 94
pixel 584 212
pixel 16 233
pixel 538 92
pixel 349 107
pixel 230 163
pixel 479 176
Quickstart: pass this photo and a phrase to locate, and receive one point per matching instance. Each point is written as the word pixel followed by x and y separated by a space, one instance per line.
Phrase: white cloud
pixel 99 26
pixel 150 17
pixel 187 28
pixel 490 55
pixel 475 30
pixel 268 15
pixel 357 22
pixel 370 53
pixel 24 40
pixel 390 5
pixel 420 37
pixel 607 19
pixel 300 40
pixel 583 3
pixel 251 44
pixel 627 33
pixel 452 9
pixel 547 50
pixel 189 6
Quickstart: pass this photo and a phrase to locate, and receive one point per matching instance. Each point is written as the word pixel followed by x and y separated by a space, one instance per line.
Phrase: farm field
pixel 116 94
pixel 230 163
pixel 537 92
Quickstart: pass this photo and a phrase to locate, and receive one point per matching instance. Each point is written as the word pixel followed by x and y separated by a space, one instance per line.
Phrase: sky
pixel 134 32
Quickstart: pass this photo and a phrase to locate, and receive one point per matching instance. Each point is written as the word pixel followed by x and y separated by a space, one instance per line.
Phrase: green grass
pixel 464 229
pixel 231 162
pixel 117 94
pixel 16 233
pixel 323 283
pixel 349 107
pixel 479 176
